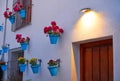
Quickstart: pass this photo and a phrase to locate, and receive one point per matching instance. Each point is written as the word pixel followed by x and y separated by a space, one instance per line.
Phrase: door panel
pixel 96 61
pixel 96 64
pixel 88 63
pixel 13 69
pixel 103 63
pixel 110 63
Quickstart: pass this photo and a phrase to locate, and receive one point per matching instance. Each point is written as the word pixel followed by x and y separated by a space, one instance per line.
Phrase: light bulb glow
pixel 89 19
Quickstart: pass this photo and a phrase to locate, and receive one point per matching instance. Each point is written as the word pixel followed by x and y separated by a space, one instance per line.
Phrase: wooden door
pixel 96 61
pixel 13 69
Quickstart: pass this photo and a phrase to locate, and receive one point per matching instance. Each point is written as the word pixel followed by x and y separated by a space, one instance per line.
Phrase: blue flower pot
pixel 0 52
pixel 5 49
pixel 35 68
pixel 22 67
pixel 24 46
pixel 4 67
pixel 22 13
pixel 53 38
pixel 1 28
pixel 12 19
pixel 53 70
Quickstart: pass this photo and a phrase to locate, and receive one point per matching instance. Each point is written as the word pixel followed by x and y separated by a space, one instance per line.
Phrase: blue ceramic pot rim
pixel 54 35
pixel 37 65
pixel 53 66
pixel 24 43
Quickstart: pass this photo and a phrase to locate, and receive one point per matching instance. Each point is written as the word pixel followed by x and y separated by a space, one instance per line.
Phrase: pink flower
pixel 7 13
pixel 22 40
pixel 21 6
pixel 49 28
pixel 18 2
pixel 53 29
pixel 53 23
pixel 46 29
pixel 7 8
pixel 16 9
pixel 61 30
pixel 27 38
pixel 18 36
pixel 10 13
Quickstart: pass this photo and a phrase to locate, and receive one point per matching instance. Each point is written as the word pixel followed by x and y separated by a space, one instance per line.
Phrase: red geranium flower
pixel 21 39
pixel 7 13
pixel 53 29
pixel 18 6
pixel 53 23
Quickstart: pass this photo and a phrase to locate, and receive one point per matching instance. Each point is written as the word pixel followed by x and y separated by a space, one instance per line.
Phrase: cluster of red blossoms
pixel 20 39
pixel 7 13
pixel 53 29
pixel 52 62
pixel 18 7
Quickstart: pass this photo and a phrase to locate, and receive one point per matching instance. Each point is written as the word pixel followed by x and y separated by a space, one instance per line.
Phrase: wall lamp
pixel 85 10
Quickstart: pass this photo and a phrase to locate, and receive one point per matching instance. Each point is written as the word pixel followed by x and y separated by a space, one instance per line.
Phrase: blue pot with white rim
pixel 22 13
pixel 53 70
pixel 35 68
pixel 5 49
pixel 1 28
pixel 53 38
pixel 22 67
pixel 4 67
pixel 24 45
pixel 12 19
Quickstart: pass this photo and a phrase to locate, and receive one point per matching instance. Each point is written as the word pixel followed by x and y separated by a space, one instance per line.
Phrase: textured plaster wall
pixel 66 14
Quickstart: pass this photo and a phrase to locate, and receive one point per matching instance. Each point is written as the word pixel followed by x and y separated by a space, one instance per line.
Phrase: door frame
pixel 13 51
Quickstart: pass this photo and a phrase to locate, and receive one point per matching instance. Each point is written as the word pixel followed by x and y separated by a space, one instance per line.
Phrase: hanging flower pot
pixel 53 31
pixel 4 67
pixel 53 38
pixel 0 52
pixel 1 28
pixel 24 45
pixel 5 49
pixel 22 13
pixel 53 70
pixel 22 67
pixel 12 19
pixel 24 42
pixel 35 68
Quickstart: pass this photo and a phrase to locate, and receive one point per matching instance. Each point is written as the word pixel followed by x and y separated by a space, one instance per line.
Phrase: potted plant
pixel 8 14
pixel 24 42
pixel 22 65
pixel 34 65
pixel 53 32
pixel 20 9
pixel 3 66
pixel 53 67
pixel 5 48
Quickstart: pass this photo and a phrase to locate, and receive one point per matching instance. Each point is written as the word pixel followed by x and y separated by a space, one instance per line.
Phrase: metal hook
pixel 40 61
pixel 58 61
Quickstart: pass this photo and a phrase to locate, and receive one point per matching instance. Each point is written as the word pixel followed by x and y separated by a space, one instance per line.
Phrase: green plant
pixel 52 62
pixel 33 61
pixel 21 60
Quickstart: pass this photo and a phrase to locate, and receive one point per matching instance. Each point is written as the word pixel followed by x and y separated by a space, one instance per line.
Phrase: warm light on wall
pixel 89 19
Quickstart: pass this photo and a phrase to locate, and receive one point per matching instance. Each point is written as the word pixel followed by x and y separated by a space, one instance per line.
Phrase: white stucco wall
pixel 66 14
